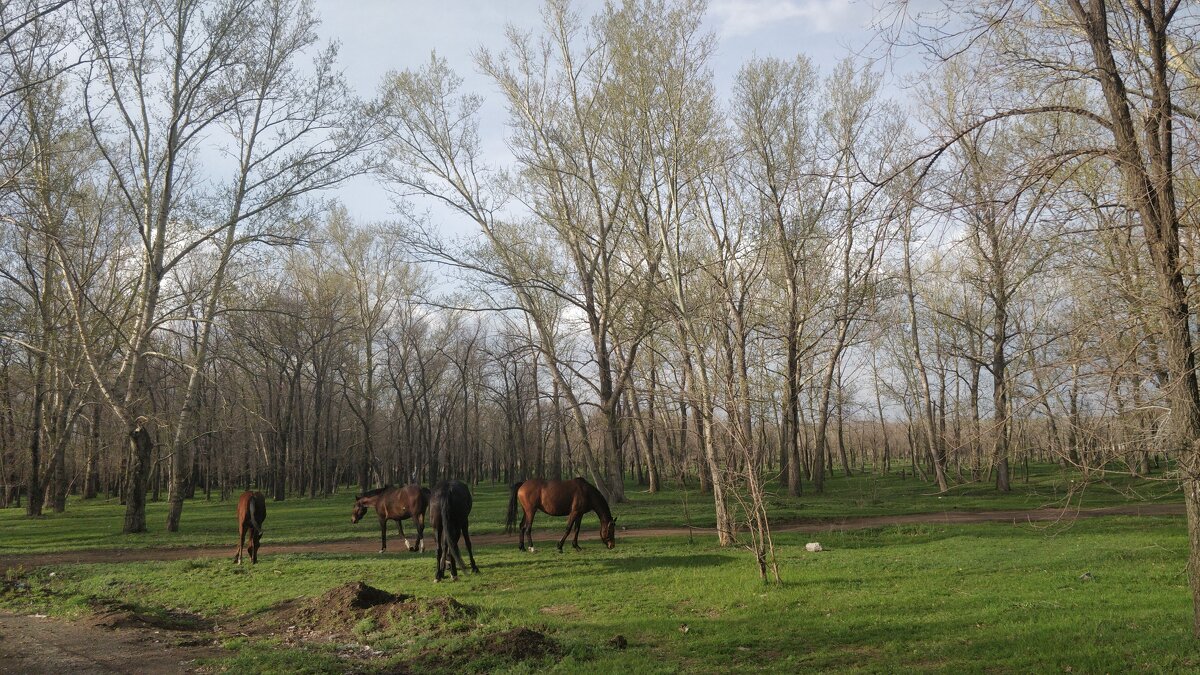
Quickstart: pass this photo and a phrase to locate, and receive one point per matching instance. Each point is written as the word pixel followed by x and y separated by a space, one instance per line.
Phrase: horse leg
pixel 455 555
pixel 571 519
pixel 382 534
pixel 575 543
pixel 440 561
pixel 470 550
pixel 420 521
pixel 524 524
pixel 237 557
pixel 400 526
pixel 529 529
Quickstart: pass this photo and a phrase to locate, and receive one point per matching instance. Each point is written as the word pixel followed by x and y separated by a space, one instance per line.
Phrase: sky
pixel 378 36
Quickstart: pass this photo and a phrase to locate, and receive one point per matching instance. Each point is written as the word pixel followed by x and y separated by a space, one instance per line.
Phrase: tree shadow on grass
pixel 655 561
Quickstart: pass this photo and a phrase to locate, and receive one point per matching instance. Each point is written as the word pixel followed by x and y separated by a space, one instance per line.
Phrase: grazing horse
pixel 571 498
pixel 393 503
pixel 252 511
pixel 449 506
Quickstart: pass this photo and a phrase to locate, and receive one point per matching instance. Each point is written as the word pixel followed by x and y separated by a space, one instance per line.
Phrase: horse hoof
pixel 383 550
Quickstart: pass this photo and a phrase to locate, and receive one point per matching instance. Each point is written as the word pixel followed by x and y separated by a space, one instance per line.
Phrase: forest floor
pixel 547 536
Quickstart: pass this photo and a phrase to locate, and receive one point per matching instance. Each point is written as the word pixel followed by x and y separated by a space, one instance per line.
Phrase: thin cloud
pixel 745 17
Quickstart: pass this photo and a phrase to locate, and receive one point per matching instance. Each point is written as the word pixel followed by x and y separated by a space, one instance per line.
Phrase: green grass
pixel 965 598
pixel 97 524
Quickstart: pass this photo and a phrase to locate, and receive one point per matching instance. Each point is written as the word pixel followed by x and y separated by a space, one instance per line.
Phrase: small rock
pixel 618 642
pixel 813 547
pixel 1086 576
pixel 683 628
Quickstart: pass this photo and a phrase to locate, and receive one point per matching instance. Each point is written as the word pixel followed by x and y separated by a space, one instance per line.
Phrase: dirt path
pixel 36 644
pixel 547 535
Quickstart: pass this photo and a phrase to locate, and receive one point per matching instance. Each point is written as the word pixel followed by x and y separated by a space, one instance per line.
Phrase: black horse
pixel 449 507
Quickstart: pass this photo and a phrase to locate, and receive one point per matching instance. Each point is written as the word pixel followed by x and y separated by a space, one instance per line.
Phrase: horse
pixel 252 511
pixel 571 498
pixel 449 506
pixel 393 503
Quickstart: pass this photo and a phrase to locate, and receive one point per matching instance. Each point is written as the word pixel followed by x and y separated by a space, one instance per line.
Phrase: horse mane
pixel 602 510
pixel 375 492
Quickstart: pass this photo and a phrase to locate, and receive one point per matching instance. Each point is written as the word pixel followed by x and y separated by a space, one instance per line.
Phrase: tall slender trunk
pixel 91 473
pixel 34 484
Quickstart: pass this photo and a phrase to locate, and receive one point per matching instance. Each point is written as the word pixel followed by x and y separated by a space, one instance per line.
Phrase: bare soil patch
pixel 114 615
pixel 36 644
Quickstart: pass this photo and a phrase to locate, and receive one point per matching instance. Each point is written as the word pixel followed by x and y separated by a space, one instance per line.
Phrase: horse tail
pixel 449 530
pixel 255 519
pixel 511 520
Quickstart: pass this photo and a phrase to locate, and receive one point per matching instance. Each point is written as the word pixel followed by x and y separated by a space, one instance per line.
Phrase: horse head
pixel 608 533
pixel 360 509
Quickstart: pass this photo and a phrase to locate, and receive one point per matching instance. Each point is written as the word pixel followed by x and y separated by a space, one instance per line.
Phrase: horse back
pixel 252 510
pixel 554 497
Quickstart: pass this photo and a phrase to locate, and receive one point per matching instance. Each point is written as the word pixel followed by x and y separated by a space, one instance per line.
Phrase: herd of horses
pixel 448 507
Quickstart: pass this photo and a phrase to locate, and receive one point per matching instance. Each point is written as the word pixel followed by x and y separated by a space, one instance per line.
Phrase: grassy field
pixel 97 524
pixel 1100 595
pixel 1105 595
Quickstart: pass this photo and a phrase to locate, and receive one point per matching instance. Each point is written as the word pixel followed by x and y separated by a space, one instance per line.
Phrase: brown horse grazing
pixel 571 498
pixel 252 511
pixel 393 503
pixel 449 507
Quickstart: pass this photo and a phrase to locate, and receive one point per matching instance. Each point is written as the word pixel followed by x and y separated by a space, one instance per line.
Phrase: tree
pixel 1130 61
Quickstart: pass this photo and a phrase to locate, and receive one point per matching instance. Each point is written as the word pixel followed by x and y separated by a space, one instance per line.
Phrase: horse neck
pixel 600 505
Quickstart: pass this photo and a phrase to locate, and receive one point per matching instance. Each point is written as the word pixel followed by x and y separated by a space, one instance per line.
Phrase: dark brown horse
pixel 252 511
pixel 571 498
pixel 395 503
pixel 449 508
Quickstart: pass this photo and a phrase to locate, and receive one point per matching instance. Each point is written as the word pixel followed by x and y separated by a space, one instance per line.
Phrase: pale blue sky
pixel 381 35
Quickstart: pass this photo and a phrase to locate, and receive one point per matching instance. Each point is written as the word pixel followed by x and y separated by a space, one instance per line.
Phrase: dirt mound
pixel 352 608
pixel 356 595
pixel 519 644
pixel 487 653
pixel 337 610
